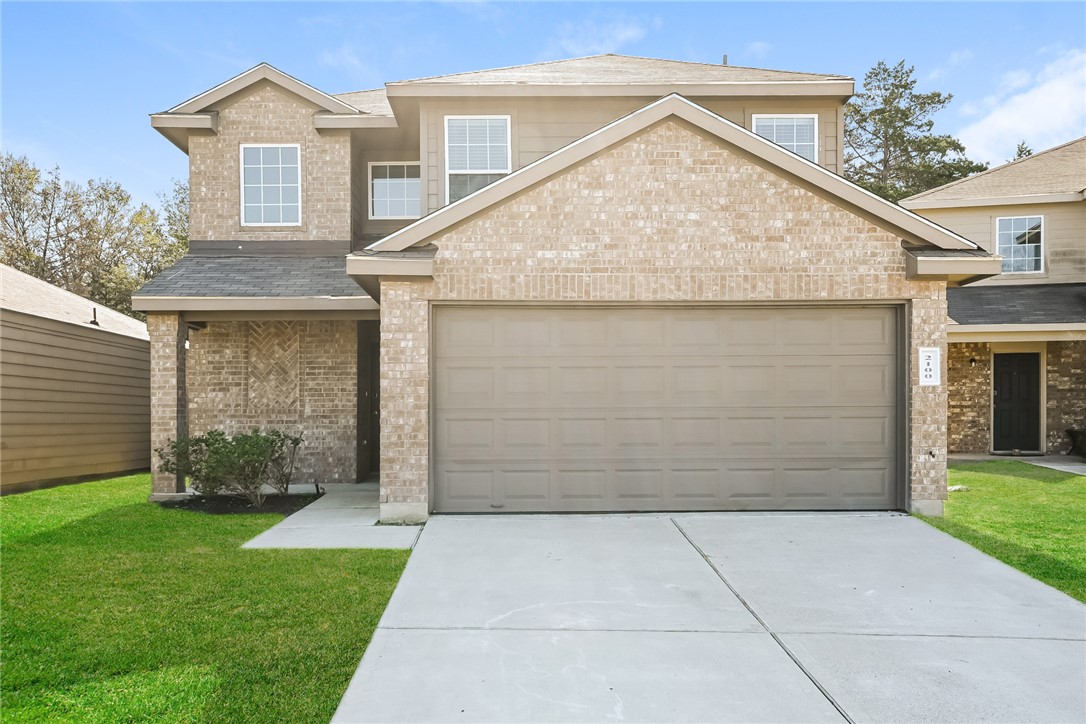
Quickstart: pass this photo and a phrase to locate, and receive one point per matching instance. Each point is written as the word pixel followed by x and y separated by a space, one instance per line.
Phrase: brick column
pixel 169 409
pixel 405 401
pixel 927 423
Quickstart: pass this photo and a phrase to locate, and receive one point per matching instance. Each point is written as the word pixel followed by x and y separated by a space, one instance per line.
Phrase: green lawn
pixel 1029 517
pixel 113 609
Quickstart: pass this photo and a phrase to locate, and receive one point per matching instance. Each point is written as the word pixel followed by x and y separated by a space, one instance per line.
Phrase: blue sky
pixel 1017 70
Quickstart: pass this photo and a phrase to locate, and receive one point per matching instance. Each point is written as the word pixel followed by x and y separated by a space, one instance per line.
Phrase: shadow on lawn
pixel 148 524
pixel 1015 469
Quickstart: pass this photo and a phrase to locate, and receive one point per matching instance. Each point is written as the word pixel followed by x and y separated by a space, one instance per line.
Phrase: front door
pixel 369 406
pixel 1016 389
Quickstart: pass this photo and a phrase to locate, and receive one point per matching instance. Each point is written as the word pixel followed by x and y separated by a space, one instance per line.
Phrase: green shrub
pixel 241 464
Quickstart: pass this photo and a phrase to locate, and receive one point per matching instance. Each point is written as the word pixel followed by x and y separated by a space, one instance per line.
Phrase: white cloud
pixel 963 55
pixel 758 49
pixel 1015 79
pixel 1046 109
pixel 594 35
pixel 346 59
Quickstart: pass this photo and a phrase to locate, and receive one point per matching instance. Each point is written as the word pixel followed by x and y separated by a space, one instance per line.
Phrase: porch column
pixel 169 408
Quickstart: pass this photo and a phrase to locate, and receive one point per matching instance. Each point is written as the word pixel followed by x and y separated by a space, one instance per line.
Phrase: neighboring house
pixel 1017 342
pixel 75 398
pixel 585 285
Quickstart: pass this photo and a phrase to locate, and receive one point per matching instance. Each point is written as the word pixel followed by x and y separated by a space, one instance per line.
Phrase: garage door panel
pixel 638 486
pixel 694 332
pixel 581 383
pixel 522 384
pixel 581 485
pixel 526 486
pixel 874 482
pixel 527 435
pixel 665 409
pixel 488 437
pixel 744 485
pixel 641 380
pixel 470 488
pixel 738 485
pixel 694 486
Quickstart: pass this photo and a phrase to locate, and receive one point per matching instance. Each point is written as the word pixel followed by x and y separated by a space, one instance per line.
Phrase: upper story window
pixel 1019 240
pixel 395 191
pixel 477 153
pixel 270 185
pixel 796 132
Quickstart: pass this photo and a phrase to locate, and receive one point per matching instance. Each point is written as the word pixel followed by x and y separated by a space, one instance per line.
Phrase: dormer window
pixel 477 153
pixel 796 132
pixel 270 185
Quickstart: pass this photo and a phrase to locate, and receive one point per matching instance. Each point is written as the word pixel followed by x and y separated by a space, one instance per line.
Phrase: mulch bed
pixel 223 504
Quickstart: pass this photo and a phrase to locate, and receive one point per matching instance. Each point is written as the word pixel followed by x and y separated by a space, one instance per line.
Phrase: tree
pixel 889 147
pixel 90 239
pixel 175 211
pixel 1022 151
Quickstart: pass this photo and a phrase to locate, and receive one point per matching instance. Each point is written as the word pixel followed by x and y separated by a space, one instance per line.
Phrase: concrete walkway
pixel 716 617
pixel 344 517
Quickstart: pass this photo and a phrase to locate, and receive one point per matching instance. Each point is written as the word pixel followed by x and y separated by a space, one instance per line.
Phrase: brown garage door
pixel 645 409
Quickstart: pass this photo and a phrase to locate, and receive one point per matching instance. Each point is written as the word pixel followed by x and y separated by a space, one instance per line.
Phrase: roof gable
pixel 264 71
pixel 1058 174
pixel 911 226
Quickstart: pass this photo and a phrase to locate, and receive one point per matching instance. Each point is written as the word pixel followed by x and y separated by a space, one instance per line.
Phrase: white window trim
pixel 818 146
pixel 241 185
pixel 369 189
pixel 509 149
pixel 995 241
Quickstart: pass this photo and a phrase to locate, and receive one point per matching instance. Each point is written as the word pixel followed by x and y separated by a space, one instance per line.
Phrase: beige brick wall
pixel 668 216
pixel 266 113
pixel 298 376
pixel 969 407
pixel 1066 393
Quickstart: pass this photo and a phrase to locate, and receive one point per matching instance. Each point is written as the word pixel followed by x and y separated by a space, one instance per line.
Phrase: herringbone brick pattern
pixel 243 374
pixel 273 366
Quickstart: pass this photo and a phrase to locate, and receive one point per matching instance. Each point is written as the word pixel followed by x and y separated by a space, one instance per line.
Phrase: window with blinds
pixel 477 153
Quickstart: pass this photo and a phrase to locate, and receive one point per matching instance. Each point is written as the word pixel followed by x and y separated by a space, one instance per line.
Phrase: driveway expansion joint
pixel 795 659
pixel 972 637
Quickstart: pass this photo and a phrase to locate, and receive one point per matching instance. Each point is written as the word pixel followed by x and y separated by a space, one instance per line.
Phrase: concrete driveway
pixel 716 617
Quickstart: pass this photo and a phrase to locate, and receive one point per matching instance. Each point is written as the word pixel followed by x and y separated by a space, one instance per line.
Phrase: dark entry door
pixel 1017 392
pixel 369 405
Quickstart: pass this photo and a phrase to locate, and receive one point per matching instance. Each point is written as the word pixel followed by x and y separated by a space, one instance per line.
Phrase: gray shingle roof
pixel 1014 304
pixel 1058 170
pixel 629 69
pixel 254 276
pixel 373 102
pixel 23 293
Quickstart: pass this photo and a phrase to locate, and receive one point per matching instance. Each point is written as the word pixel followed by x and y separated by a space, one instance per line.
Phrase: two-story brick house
pixel 600 284
pixel 1017 342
